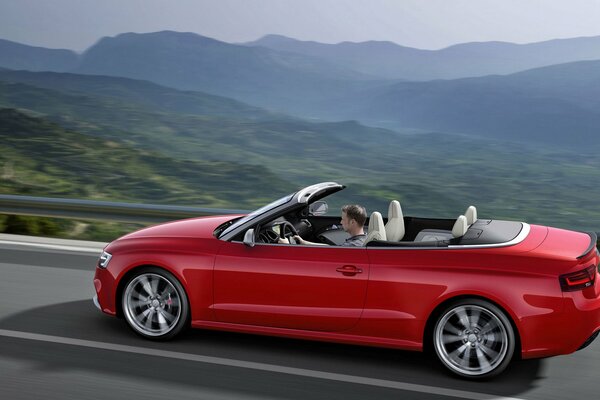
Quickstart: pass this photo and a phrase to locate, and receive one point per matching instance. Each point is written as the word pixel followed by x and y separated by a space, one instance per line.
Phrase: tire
pixel 155 304
pixel 474 339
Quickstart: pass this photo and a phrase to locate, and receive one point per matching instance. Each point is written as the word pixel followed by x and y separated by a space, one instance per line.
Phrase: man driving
pixel 353 221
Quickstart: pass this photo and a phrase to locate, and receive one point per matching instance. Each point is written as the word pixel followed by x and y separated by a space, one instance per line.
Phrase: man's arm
pixel 306 242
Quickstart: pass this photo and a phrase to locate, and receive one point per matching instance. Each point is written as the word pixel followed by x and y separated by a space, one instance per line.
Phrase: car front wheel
pixel 155 304
pixel 474 339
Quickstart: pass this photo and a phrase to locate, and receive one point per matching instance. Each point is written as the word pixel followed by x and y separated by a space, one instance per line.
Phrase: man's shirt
pixel 357 240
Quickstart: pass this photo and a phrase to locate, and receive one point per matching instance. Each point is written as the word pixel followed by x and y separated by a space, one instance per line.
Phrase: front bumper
pixel 104 284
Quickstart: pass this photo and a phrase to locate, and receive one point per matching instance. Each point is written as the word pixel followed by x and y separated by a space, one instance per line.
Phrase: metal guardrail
pixel 102 210
pixel 106 210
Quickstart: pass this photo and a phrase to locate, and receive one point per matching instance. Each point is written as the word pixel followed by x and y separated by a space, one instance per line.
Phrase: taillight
pixel 578 280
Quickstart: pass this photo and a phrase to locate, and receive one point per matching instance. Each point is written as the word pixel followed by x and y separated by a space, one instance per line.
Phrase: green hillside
pixel 432 174
pixel 41 158
pixel 281 143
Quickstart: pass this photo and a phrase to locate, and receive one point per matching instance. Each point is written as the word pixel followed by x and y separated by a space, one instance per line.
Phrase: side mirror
pixel 249 238
pixel 318 208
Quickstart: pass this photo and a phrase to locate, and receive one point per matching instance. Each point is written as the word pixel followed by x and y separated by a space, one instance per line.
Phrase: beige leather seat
pixel 471 215
pixel 376 228
pixel 394 227
pixel 460 227
pixel 433 235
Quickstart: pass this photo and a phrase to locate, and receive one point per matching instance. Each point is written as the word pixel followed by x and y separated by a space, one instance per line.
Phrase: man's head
pixel 353 218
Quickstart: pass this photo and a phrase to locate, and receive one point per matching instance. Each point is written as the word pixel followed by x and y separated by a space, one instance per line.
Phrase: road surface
pixel 54 344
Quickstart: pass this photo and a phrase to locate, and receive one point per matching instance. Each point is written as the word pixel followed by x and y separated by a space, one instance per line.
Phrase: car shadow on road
pixel 81 320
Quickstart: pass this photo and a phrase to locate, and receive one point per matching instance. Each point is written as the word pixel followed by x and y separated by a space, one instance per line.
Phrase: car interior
pixel 395 230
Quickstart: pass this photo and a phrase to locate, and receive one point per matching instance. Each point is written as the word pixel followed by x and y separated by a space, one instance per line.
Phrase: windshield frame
pixel 280 207
pixel 277 203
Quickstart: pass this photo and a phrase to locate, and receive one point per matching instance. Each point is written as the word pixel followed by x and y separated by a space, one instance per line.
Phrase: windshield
pixel 260 211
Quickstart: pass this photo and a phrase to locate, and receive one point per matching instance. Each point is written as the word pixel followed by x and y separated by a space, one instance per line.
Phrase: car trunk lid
pixel 567 245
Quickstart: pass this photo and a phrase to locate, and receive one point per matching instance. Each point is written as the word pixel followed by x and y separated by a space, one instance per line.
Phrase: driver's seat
pixel 376 228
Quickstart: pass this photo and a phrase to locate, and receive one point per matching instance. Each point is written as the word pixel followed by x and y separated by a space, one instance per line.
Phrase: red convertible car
pixel 478 292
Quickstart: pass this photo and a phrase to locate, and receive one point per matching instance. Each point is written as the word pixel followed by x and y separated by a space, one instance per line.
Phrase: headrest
pixel 376 228
pixel 471 215
pixel 394 210
pixel 394 227
pixel 460 227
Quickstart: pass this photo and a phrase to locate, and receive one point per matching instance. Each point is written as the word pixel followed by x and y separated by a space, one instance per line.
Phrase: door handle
pixel 349 270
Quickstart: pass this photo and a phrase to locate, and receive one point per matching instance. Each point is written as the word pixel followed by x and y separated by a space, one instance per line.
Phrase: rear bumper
pixel 583 317
pixel 580 322
pixel 589 341
pixel 564 332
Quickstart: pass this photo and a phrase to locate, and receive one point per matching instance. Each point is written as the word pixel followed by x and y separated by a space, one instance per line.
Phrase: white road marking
pixel 79 249
pixel 254 365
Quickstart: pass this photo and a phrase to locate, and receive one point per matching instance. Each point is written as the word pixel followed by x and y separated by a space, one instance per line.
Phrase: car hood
pixel 202 227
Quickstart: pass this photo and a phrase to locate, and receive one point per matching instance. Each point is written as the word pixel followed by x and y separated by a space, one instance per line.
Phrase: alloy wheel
pixel 152 304
pixel 474 340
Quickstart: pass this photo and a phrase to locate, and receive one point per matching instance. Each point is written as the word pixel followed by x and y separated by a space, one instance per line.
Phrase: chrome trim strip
pixel 313 246
pixel 526 228
pixel 95 300
pixel 518 239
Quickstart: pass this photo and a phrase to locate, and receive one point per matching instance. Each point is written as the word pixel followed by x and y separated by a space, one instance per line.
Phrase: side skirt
pixel 311 335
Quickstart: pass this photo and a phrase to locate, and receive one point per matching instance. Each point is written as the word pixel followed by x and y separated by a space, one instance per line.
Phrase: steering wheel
pixel 291 231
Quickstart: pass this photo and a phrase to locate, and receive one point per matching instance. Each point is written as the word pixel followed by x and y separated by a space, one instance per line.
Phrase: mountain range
pixel 73 132
pixel 392 61
pixel 294 117
pixel 558 104
pixel 20 56
pixel 145 93
pixel 278 54
pixel 278 80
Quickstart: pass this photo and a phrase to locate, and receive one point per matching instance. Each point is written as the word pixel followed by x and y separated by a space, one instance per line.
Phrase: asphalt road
pixel 55 344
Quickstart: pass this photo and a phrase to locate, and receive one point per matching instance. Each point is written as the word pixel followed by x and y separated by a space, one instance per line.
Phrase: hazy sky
pixel 430 24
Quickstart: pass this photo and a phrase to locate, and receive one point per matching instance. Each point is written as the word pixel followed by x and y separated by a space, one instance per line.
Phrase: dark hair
pixel 356 212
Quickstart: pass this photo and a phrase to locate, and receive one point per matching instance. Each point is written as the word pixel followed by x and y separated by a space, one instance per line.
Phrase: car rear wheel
pixel 155 304
pixel 474 339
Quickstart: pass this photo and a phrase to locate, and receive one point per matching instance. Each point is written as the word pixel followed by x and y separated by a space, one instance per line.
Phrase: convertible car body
pixel 475 291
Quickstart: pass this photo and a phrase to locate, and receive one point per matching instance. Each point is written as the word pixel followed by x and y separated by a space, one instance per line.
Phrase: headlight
pixel 104 259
